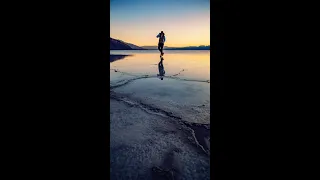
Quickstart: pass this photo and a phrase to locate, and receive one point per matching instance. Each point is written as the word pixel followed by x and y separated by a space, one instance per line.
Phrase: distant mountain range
pixel 178 48
pixel 116 44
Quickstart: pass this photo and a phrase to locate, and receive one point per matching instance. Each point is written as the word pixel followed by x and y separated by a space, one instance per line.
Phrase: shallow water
pixel 160 128
pixel 193 64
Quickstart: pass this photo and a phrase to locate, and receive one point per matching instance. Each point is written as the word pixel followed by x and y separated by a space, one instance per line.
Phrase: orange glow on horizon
pixel 179 31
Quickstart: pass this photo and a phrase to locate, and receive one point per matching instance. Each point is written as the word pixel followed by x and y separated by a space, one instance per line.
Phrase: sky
pixel 184 22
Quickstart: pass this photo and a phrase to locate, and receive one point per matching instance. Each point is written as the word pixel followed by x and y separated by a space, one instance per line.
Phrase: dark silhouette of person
pixel 162 39
pixel 161 69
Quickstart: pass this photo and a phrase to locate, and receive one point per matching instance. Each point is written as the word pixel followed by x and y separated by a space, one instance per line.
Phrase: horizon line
pixel 155 45
pixel 173 46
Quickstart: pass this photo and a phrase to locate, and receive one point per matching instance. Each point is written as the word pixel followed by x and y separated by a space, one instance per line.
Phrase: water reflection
pixel 181 64
pixel 117 57
pixel 161 69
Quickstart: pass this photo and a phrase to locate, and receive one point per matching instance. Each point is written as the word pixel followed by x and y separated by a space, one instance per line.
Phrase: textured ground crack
pixel 125 82
pixel 199 134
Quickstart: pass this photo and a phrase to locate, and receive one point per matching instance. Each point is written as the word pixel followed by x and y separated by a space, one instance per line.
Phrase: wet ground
pixel 160 129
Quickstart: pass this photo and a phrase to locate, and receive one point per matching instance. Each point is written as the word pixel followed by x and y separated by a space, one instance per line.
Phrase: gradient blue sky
pixel 185 22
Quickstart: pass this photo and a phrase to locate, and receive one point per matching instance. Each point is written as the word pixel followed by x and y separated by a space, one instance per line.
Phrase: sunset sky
pixel 184 22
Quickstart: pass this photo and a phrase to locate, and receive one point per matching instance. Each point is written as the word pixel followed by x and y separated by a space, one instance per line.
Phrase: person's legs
pixel 159 47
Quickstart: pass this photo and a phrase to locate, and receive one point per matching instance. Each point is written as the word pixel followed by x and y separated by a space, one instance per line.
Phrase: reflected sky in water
pixel 187 64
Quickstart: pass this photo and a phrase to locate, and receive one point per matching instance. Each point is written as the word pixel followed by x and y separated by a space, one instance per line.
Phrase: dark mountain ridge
pixel 116 44
pixel 178 48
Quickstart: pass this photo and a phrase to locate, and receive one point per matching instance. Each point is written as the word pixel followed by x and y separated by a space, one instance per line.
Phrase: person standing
pixel 162 39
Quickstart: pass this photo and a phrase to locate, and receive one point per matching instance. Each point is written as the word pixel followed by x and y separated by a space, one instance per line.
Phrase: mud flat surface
pixel 160 129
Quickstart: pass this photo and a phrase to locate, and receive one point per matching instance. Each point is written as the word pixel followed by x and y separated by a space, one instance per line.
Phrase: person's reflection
pixel 161 69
